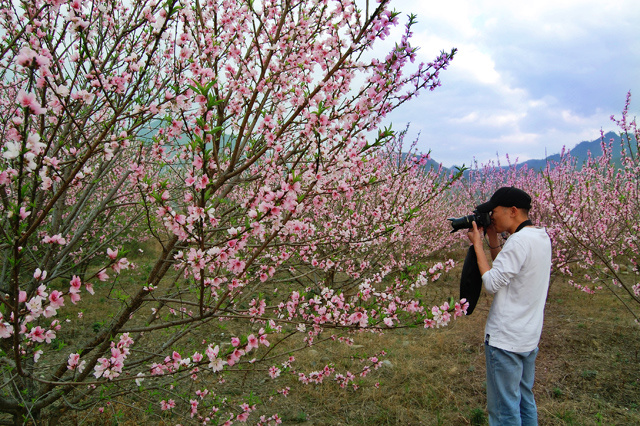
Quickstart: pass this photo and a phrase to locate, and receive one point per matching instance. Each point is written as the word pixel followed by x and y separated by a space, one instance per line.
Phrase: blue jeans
pixel 509 387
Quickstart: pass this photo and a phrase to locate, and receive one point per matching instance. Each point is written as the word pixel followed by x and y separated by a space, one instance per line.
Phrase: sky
pixel 529 77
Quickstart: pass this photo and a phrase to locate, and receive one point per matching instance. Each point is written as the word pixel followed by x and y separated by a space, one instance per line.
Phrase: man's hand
pixel 475 235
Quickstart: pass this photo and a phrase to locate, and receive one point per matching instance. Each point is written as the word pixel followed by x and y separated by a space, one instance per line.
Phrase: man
pixel 519 278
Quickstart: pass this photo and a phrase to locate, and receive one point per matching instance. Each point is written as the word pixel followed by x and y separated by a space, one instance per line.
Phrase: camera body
pixel 483 220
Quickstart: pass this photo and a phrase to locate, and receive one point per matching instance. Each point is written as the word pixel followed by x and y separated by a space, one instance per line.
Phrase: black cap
pixel 507 196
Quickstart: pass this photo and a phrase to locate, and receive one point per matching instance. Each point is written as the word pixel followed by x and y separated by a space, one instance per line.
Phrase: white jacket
pixel 519 278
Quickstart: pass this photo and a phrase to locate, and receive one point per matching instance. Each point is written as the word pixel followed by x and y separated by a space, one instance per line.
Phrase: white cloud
pixel 477 64
pixel 529 76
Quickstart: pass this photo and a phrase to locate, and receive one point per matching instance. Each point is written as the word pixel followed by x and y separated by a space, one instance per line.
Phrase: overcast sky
pixel 529 78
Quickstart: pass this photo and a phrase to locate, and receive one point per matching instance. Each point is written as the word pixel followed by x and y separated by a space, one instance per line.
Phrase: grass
pixel 588 370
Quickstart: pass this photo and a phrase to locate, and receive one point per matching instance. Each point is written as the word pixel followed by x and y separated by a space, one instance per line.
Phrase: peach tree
pixel 241 137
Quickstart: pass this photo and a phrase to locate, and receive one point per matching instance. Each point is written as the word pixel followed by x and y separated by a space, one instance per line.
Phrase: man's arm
pixel 494 243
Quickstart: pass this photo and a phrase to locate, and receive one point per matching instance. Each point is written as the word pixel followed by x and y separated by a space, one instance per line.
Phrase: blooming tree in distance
pixel 595 208
pixel 591 211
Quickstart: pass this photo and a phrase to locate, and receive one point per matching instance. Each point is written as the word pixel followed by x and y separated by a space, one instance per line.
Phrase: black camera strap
pixel 523 224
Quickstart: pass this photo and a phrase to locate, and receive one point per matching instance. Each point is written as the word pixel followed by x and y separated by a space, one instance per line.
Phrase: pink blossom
pixel 49 311
pixel 6 330
pixel 194 407
pixel 236 266
pixel 274 372
pixel 40 275
pixel 76 284
pixel 56 239
pixel 24 213
pixel 37 334
pixel 167 405
pixel 263 340
pixel 73 361
pixel 28 100
pixel 56 300
pixel 26 56
pixel 113 254
pixel 121 264
pixel 197 162
pixel 5 179
pixel 102 275
pixel 252 343
pixel 234 357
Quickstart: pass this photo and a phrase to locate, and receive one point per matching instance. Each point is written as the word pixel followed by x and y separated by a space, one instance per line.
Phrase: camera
pixel 483 220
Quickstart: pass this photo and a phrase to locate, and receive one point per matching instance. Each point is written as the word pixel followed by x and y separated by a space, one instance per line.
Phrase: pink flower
pixel 167 405
pixel 24 213
pixel 121 264
pixel 40 275
pixel 6 330
pixel 49 311
pixel 26 56
pixel 5 178
pixel 76 284
pixel 197 162
pixel 263 340
pixel 37 334
pixel 102 275
pixel 194 407
pixel 216 364
pixel 73 361
pixel 252 342
pixel 28 100
pixel 113 254
pixel 461 308
pixel 274 372
pixel 236 266
pixel 56 300
pixel 56 239
pixel 429 323
pixel 234 357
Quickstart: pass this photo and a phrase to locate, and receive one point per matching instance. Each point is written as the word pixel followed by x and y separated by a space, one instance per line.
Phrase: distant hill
pixel 581 152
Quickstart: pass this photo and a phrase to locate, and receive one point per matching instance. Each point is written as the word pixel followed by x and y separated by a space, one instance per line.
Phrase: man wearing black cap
pixel 519 279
